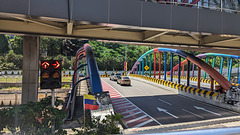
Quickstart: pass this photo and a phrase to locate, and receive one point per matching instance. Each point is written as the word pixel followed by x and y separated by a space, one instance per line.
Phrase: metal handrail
pixel 221 9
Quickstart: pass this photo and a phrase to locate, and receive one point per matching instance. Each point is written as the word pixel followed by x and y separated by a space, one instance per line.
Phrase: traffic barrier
pixel 199 92
pixel 196 79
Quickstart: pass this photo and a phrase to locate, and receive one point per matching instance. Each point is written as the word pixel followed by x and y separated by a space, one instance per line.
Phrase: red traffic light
pixel 56 64
pixel 45 65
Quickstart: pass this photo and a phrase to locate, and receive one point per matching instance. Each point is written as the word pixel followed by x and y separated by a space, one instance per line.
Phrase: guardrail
pixel 85 59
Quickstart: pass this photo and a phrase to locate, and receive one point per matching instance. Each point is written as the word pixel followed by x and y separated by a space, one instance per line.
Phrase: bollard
pixel 16 98
pixel 10 103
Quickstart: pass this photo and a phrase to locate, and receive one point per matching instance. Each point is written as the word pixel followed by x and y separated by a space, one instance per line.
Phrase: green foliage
pixel 33 118
pixel 16 44
pixel 5 72
pixel 3 44
pixel 96 127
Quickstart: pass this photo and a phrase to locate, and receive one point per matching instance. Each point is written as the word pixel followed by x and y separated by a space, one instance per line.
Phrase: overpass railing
pixel 85 60
pixel 212 5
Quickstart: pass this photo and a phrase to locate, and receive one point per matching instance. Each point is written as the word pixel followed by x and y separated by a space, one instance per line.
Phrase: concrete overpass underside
pixel 123 21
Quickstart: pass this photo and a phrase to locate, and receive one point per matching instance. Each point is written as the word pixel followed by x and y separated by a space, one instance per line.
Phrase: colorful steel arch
pixel 206 56
pixel 143 61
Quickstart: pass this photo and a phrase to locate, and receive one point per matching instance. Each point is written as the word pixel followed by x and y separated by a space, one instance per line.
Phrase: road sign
pixel 146 67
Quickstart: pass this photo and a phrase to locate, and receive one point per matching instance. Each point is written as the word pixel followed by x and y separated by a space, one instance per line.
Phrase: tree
pixel 16 44
pixel 3 44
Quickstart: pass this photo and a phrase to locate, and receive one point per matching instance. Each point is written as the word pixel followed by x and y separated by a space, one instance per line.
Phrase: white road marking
pixel 124 107
pixel 192 113
pixel 165 102
pixel 142 124
pixel 132 114
pixel 200 108
pixel 165 111
pixel 135 105
pixel 130 110
pixel 117 99
pixel 117 103
pixel 122 104
pixel 133 120
pixel 138 89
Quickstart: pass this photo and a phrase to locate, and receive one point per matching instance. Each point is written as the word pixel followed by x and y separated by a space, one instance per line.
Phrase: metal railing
pixel 199 4
pixel 92 76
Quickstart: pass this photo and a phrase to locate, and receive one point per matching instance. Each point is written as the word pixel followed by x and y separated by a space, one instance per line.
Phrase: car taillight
pixel 122 80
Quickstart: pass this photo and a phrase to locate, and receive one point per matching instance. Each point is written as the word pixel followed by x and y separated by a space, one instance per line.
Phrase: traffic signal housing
pixel 50 76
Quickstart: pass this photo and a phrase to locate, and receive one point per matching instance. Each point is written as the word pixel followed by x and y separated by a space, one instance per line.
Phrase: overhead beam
pixel 216 39
pixel 69 28
pixel 194 36
pixel 37 22
pixel 148 36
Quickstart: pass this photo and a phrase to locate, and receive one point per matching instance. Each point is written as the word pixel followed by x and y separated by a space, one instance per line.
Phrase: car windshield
pixel 118 74
pixel 125 78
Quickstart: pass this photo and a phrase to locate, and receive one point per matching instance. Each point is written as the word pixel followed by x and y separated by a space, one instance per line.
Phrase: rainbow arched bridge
pixel 145 61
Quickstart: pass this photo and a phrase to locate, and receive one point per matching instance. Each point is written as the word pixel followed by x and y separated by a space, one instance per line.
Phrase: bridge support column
pixel 146 65
pixel 179 69
pixel 188 72
pixel 193 70
pixel 159 64
pixel 171 67
pixel 142 66
pixel 212 83
pixel 228 65
pixel 205 72
pixel 165 66
pixel 30 69
pixel 213 63
pixel 150 66
pixel 237 67
pixel 230 70
pixel 182 69
pixel 221 66
pixel 154 65
pixel 199 78
pixel 139 68
pixel 238 74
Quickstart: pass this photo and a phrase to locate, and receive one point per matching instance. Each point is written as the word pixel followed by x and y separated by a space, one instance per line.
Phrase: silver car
pixel 124 80
pixel 115 76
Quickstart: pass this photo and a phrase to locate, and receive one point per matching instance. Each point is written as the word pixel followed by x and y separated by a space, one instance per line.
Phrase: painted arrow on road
pixel 200 108
pixel 165 111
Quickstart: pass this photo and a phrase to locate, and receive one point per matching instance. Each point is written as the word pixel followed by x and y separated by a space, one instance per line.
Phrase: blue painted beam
pixel 171 67
pixel 221 66
pixel 230 70
pixel 165 65
pixel 142 66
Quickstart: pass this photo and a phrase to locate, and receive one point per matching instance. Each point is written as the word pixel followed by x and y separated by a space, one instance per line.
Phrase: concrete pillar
pixel 30 69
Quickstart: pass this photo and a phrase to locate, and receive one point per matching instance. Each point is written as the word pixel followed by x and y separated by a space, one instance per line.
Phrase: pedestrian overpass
pixel 181 25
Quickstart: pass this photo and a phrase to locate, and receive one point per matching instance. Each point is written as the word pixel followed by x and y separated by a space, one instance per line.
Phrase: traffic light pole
pixel 53 97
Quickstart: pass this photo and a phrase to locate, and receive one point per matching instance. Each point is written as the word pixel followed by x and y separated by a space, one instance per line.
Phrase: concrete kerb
pixel 213 98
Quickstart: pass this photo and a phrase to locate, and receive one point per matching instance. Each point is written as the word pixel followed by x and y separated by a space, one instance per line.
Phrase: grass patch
pixel 10 79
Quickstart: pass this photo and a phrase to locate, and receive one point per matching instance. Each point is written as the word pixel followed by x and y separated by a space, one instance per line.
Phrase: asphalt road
pixel 167 107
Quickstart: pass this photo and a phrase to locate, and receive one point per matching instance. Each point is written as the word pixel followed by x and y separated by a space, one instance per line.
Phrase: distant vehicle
pixel 114 77
pixel 124 80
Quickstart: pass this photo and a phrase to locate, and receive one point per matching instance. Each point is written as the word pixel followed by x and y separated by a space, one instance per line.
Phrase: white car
pixel 115 76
